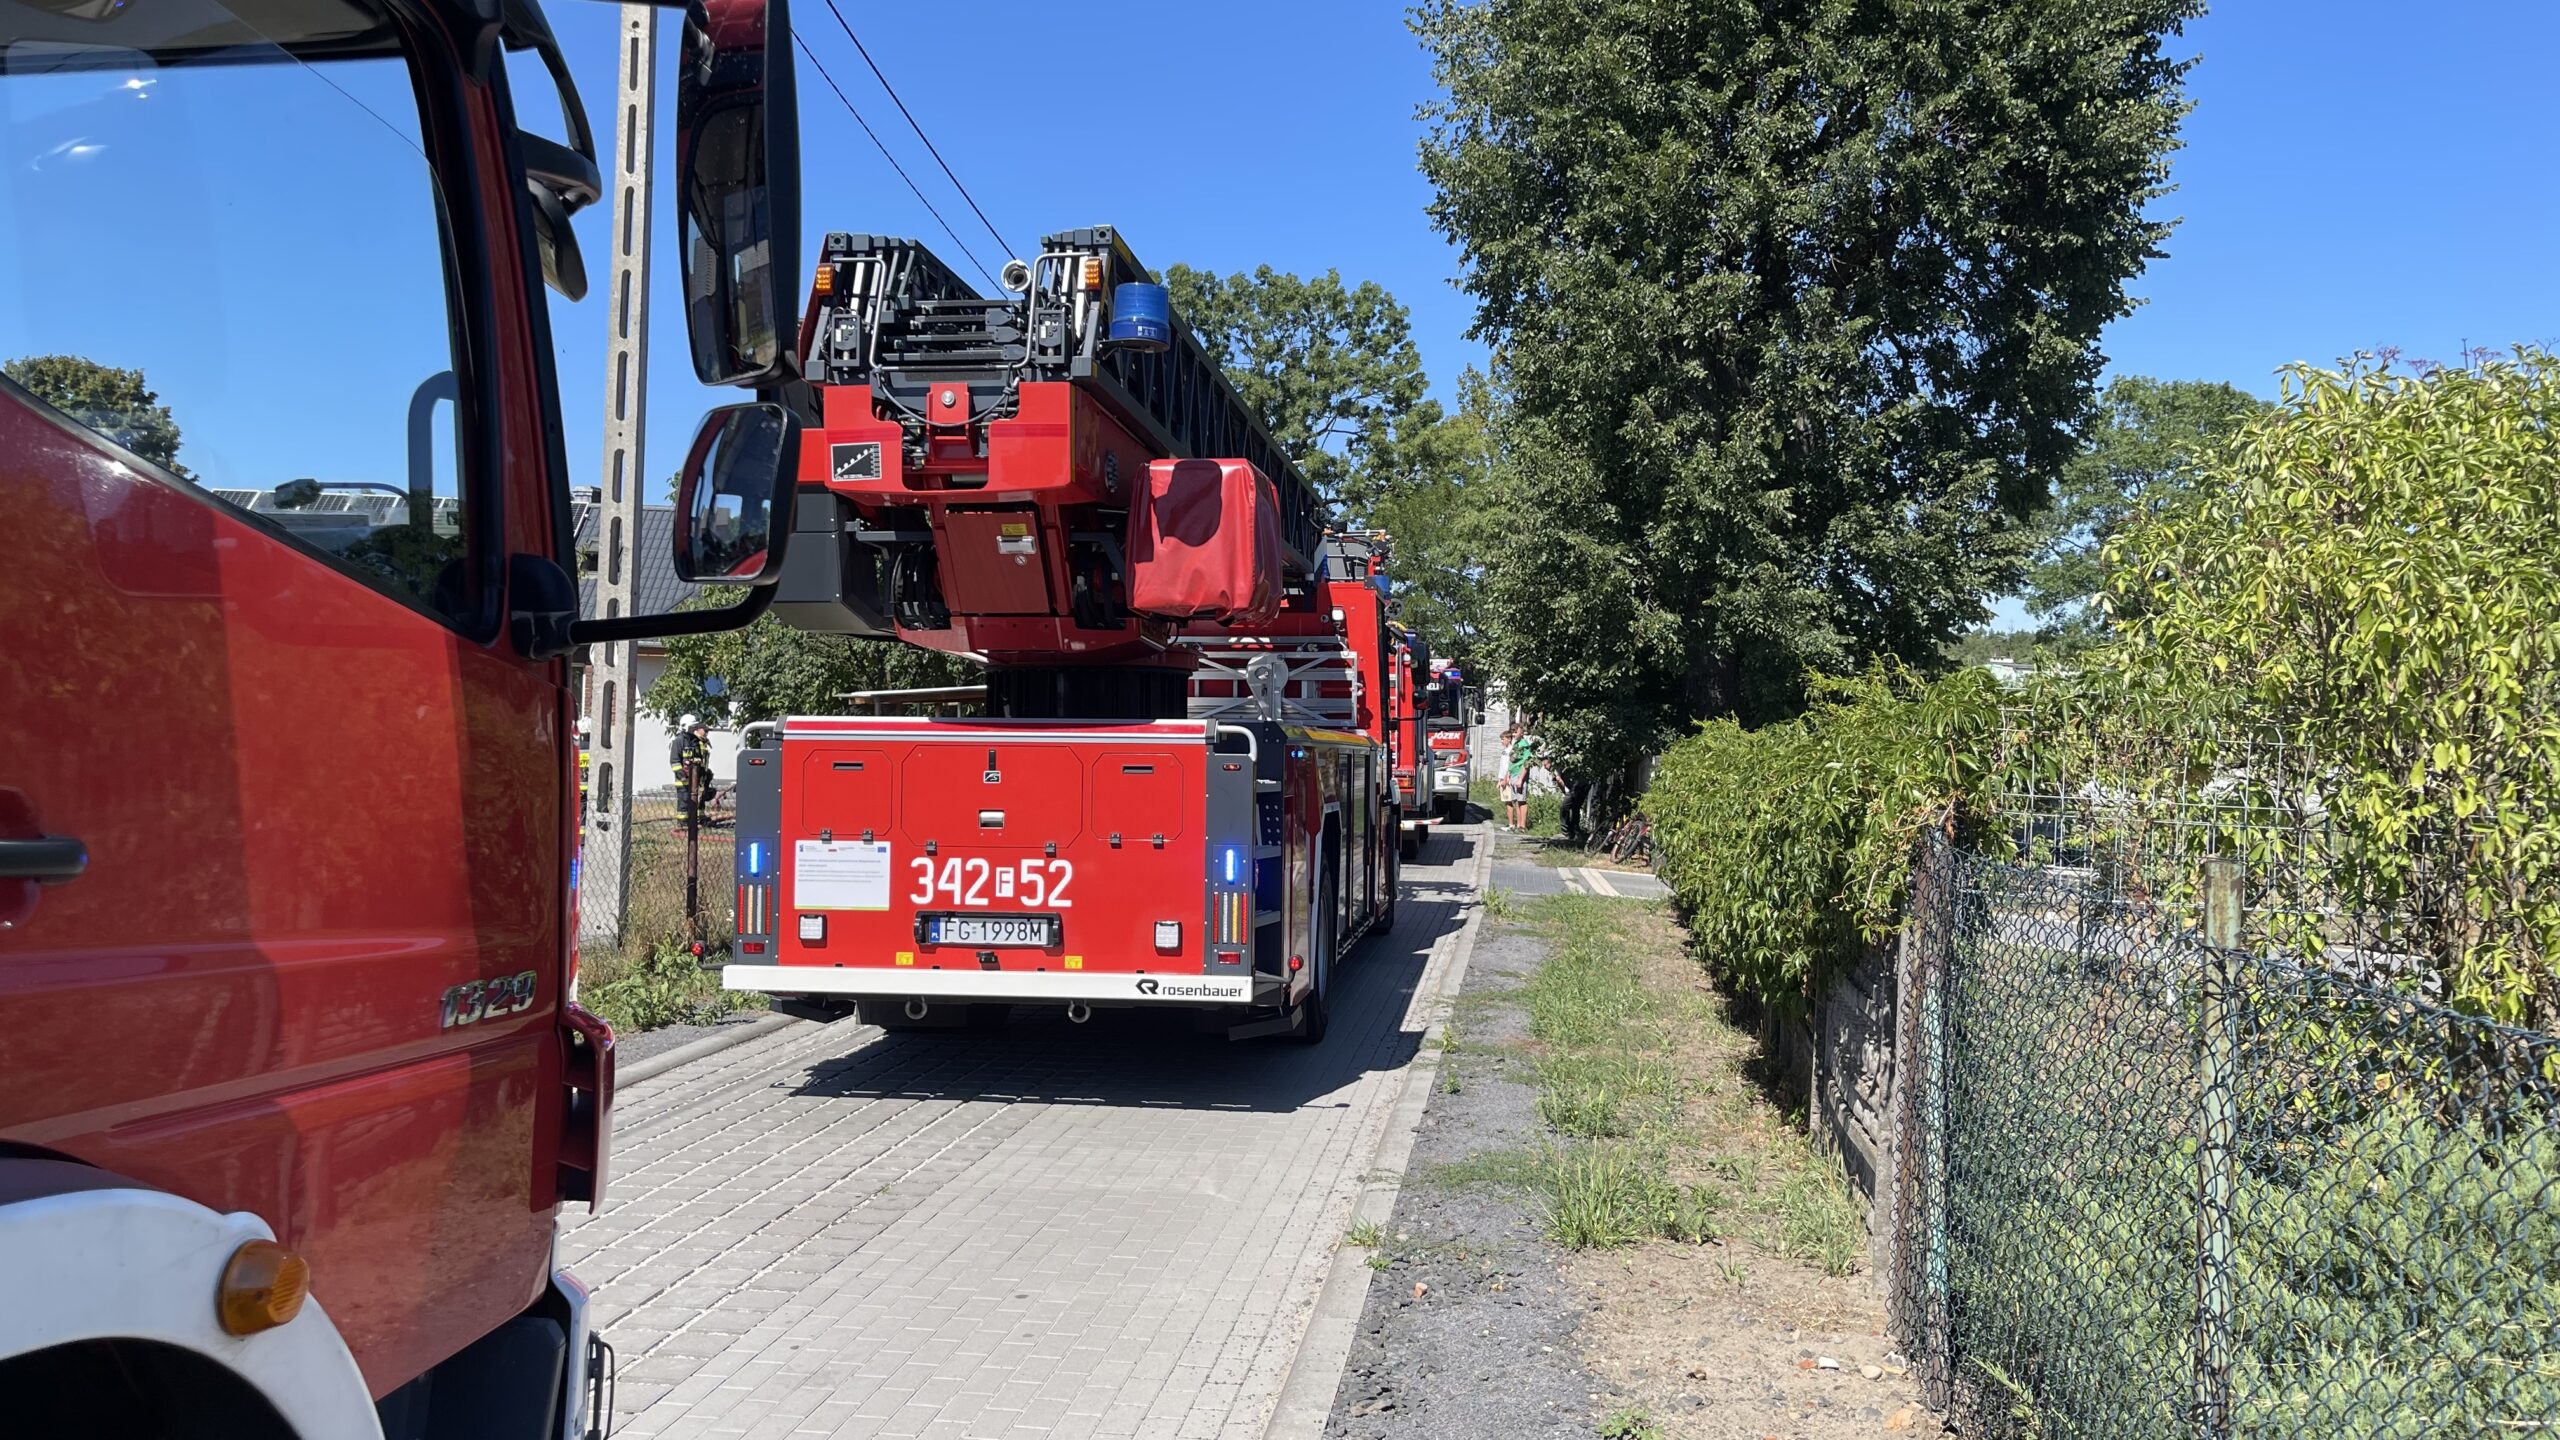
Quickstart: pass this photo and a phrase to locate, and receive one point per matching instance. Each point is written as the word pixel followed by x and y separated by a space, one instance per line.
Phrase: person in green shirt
pixel 1522 754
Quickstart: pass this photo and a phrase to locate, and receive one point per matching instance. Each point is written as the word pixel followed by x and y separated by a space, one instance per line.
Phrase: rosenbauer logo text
pixel 1185 989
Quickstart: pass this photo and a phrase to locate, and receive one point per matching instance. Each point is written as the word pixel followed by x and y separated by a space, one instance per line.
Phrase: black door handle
pixel 47 859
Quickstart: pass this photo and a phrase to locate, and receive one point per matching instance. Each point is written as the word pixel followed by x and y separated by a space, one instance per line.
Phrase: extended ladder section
pixel 892 316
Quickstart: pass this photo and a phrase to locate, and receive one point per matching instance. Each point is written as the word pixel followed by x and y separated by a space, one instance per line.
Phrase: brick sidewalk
pixel 1114 1229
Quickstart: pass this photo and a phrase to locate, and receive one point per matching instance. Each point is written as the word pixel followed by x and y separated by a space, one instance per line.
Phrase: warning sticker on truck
pixel 840 875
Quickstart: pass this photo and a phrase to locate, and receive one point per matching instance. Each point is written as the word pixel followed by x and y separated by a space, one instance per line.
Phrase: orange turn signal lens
pixel 263 1287
pixel 1093 272
pixel 826 285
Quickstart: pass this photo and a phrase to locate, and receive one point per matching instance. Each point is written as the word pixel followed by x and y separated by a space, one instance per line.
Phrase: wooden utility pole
pixel 604 881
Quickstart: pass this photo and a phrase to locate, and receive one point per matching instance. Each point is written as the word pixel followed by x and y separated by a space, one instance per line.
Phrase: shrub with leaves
pixel 1790 845
pixel 657 985
pixel 2368 569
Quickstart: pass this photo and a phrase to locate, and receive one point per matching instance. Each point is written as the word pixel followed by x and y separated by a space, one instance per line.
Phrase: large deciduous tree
pixel 2142 458
pixel 1798 302
pixel 1331 369
pixel 768 670
pixel 1333 372
pixel 116 403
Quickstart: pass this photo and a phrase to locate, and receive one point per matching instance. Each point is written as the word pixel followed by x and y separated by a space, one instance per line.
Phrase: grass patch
pixel 1520 1170
pixel 1546 815
pixel 1628 1423
pixel 1585 1111
pixel 1654 1131
pixel 1818 1220
pixel 658 985
pixel 1499 903
pixel 1609 1195
pixel 1367 1235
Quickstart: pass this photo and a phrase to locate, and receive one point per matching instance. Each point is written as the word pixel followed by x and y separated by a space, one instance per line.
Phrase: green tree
pixel 1437 519
pixel 2141 458
pixel 118 404
pixel 768 669
pixel 1798 306
pixel 1330 368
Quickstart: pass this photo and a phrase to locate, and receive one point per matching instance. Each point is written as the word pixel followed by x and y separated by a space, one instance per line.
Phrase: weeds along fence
pixel 684 873
pixel 2188 1151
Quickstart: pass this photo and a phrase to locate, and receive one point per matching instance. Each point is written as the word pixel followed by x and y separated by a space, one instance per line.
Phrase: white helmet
pixel 586 726
pixel 688 722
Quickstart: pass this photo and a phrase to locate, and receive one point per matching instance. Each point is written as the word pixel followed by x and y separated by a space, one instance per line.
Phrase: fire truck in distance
pixel 1413 761
pixel 1448 723
pixel 1183 792
pixel 291 1084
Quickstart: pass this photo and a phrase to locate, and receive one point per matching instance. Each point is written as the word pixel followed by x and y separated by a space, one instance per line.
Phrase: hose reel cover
pixel 1204 543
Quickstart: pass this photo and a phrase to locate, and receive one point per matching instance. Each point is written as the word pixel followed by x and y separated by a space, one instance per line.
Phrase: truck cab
pixel 291 1081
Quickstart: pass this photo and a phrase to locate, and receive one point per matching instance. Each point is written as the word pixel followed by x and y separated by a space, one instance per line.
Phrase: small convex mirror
pixel 734 476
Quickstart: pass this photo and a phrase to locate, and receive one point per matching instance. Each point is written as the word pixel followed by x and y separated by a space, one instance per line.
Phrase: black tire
pixel 1408 844
pixel 1453 810
pixel 1315 1012
pixel 1387 914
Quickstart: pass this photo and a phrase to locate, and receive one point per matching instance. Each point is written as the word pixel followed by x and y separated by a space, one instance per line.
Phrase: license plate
pixel 1034 930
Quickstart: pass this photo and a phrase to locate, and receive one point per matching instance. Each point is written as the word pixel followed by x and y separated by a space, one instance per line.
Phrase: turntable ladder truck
pixel 1182 792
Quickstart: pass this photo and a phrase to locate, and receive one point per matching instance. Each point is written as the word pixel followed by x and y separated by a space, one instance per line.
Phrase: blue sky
pixel 2380 176
pixel 2357 174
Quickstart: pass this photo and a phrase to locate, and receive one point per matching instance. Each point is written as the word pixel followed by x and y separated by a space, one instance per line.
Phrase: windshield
pixel 1444 699
pixel 222 253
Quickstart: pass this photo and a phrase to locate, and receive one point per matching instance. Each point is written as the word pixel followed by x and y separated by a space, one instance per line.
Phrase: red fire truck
pixel 291 1089
pixel 1182 794
pixel 1408 745
pixel 1448 716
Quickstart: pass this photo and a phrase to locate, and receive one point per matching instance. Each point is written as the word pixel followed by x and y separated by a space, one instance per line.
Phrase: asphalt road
pixel 1116 1229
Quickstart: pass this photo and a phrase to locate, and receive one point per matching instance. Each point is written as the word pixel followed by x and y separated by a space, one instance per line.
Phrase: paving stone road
pixel 1116 1229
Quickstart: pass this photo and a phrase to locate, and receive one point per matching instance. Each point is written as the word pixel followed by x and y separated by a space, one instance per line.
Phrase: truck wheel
pixel 1314 1012
pixel 1387 916
pixel 1453 809
pixel 1408 844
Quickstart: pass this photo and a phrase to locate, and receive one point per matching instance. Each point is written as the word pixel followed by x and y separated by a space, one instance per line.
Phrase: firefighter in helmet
pixel 689 756
pixel 586 735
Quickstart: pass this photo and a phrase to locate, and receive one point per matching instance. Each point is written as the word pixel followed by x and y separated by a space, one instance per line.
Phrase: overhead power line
pixel 865 52
pixel 849 109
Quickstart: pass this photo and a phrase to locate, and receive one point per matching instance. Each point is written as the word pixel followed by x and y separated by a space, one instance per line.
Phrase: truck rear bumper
pixel 1005 986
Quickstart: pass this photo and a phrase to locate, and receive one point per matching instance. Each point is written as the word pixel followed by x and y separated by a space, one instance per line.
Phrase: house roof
pixel 338 510
pixel 655 589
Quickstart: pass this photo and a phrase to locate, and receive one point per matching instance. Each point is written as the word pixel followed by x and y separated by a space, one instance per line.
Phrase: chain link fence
pixel 684 871
pixel 2152 1186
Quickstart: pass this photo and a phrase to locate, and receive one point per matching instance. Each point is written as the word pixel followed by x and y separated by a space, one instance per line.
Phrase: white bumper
pixel 118 1264
pixel 881 982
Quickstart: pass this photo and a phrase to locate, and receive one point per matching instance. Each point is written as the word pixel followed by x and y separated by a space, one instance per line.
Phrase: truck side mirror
pixel 737 178
pixel 736 472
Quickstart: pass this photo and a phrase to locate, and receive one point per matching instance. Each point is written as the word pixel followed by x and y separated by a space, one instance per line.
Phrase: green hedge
pixel 1788 846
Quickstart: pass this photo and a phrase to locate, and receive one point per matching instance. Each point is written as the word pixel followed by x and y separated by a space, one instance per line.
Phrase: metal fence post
pixel 2218 1125
pixel 693 788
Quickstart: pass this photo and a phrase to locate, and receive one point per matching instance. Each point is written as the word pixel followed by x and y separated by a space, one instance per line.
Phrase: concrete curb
pixel 1315 1373
pixel 691 1050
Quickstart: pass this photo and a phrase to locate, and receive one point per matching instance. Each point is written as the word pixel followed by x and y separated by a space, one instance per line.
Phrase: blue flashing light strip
pixel 755 857
pixel 1231 864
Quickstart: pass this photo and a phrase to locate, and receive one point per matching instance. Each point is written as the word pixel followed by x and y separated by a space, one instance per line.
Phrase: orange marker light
pixel 263 1286
pixel 826 285
pixel 1093 272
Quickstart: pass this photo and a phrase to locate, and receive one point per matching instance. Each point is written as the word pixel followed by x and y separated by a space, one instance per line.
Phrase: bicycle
pixel 1631 843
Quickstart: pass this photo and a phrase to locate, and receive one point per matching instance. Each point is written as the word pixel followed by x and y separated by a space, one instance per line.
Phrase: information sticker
pixel 840 875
